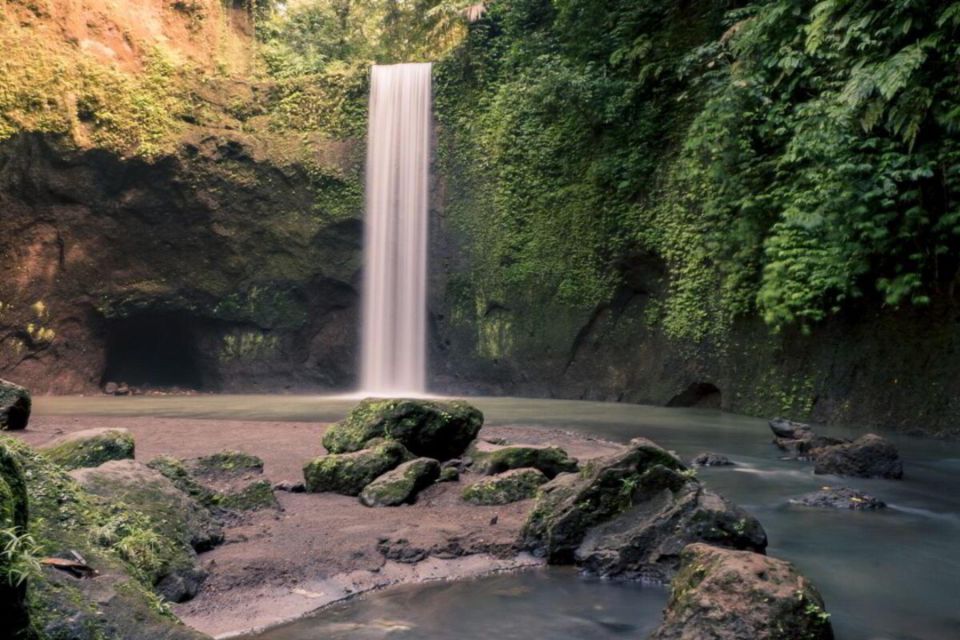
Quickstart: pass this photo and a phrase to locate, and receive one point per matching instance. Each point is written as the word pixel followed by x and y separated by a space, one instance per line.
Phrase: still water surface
pixel 890 575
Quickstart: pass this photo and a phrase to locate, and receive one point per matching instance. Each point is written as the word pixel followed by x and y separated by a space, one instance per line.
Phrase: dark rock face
pixel 631 513
pixel 401 485
pixel 14 516
pixel 349 473
pixel 866 457
pixel 90 448
pixel 711 460
pixel 15 406
pixel 722 594
pixel 439 430
pixel 840 498
pixel 550 461
pixel 504 488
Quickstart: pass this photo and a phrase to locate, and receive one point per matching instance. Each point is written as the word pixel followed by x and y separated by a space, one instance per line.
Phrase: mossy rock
pixel 449 474
pixel 512 486
pixel 401 485
pixel 176 471
pixel 220 481
pixel 253 497
pixel 13 521
pixel 722 594
pixel 227 463
pixel 349 473
pixel 15 404
pixel 90 448
pixel 121 603
pixel 549 460
pixel 439 430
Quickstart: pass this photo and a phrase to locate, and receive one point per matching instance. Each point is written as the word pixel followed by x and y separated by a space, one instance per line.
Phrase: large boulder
pixel 177 525
pixel 439 430
pixel 401 485
pixel 631 513
pixel 228 480
pixel 90 448
pixel 507 487
pixel 13 521
pixel 866 457
pixel 840 498
pixel 14 406
pixel 349 473
pixel 492 459
pixel 722 594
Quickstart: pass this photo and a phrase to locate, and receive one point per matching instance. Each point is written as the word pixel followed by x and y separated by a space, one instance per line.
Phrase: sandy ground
pixel 276 566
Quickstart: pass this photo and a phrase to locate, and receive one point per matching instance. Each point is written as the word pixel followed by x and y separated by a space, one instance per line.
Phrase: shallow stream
pixel 888 575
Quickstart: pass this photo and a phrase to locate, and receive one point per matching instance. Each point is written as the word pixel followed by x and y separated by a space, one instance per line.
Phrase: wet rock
pixel 349 473
pixel 711 460
pixel 439 430
pixel 840 498
pixel 722 594
pixel 179 516
pixel 490 460
pixel 630 514
pixel 866 457
pixel 401 485
pixel 15 406
pixel 13 518
pixel 783 428
pixel 806 448
pixel 90 448
pixel 511 486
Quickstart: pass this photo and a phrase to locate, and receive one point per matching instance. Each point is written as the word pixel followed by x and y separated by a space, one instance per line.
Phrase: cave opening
pixel 699 395
pixel 155 350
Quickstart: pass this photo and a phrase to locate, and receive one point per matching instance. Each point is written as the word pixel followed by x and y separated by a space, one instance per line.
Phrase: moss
pixel 550 460
pixel 91 448
pixel 449 474
pixel 512 486
pixel 177 473
pixel 401 484
pixel 255 496
pixel 228 462
pixel 349 473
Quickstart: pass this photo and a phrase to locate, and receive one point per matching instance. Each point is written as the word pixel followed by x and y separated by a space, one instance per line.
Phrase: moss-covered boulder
pixel 722 594
pixel 868 456
pixel 439 430
pixel 90 448
pixel 511 486
pixel 631 513
pixel 401 485
pixel 228 480
pixel 15 406
pixel 13 526
pixel 449 474
pixel 180 525
pixel 349 473
pixel 492 459
pixel 122 544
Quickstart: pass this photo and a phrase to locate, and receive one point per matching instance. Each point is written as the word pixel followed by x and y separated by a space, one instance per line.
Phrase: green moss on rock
pixel 549 460
pixel 255 496
pixel 90 448
pixel 349 473
pixel 402 484
pixel 228 462
pixel 15 404
pixel 512 486
pixel 439 430
pixel 13 526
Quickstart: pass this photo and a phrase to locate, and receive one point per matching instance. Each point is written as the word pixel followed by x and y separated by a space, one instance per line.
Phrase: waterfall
pixel 395 234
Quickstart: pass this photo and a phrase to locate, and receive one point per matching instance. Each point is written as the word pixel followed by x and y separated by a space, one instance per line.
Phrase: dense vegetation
pixel 783 157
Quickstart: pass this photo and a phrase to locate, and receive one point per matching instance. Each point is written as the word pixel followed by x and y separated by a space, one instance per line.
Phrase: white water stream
pixel 395 236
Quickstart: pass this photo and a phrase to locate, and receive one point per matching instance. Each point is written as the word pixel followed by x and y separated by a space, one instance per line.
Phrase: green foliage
pixel 18 556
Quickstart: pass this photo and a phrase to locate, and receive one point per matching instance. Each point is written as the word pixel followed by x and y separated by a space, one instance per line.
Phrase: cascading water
pixel 395 237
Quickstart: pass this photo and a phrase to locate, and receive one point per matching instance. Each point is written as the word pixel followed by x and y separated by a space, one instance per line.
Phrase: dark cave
pixel 700 395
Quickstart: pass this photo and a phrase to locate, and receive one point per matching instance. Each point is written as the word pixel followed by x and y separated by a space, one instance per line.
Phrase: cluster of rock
pixel 868 456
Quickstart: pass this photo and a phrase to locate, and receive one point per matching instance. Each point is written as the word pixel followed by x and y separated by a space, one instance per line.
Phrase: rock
pixel 722 594
pixel 229 463
pixel 511 486
pixel 349 473
pixel 15 406
pixel 490 460
pixel 449 474
pixel 178 515
pixel 90 448
pixel 14 519
pixel 123 389
pixel 439 430
pixel 806 448
pixel 783 428
pixel 401 485
pixel 840 498
pixel 630 514
pixel 110 388
pixel 866 457
pixel 290 487
pixel 228 480
pixel 711 460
